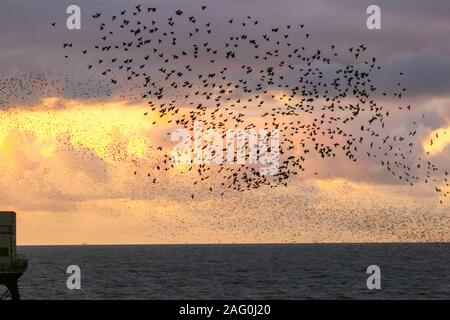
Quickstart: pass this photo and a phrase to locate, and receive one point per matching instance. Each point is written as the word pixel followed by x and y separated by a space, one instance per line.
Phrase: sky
pixel 76 153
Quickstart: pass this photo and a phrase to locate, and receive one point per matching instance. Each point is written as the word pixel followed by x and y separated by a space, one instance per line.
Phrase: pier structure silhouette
pixel 12 266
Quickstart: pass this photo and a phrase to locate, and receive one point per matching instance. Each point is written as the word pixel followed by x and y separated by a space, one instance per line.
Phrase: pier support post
pixel 13 290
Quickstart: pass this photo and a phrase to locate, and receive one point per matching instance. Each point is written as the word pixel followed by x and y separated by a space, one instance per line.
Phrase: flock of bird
pixel 229 73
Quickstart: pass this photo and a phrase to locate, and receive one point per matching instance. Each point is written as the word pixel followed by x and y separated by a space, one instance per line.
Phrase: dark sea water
pixel 306 271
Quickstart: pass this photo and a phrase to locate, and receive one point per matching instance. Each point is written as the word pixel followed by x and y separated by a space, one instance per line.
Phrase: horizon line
pixel 228 243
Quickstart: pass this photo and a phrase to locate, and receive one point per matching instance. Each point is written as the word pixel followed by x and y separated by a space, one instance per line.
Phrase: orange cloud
pixel 437 141
pixel 68 169
pixel 95 126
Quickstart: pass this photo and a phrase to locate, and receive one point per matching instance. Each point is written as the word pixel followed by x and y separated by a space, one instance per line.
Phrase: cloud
pixel 77 186
pixel 426 73
pixel 306 211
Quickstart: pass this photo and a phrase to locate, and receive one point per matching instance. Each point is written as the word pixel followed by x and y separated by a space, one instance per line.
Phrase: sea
pixel 260 271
